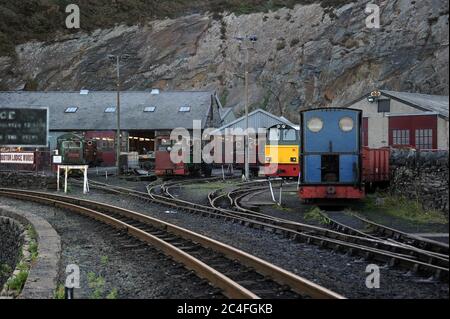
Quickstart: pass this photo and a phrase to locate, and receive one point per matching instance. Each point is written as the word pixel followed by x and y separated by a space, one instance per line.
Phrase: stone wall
pixel 42 268
pixel 26 180
pixel 421 176
pixel 11 240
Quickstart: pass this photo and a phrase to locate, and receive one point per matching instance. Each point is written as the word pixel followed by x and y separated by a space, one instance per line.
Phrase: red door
pixel 365 131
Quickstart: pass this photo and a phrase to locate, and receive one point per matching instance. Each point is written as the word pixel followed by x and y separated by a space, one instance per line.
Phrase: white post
pixel 57 177
pixel 271 190
pixel 281 192
pixel 85 179
pixel 223 173
pixel 65 179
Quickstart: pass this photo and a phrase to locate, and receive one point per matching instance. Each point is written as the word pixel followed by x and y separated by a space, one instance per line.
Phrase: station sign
pixel 23 127
pixel 17 158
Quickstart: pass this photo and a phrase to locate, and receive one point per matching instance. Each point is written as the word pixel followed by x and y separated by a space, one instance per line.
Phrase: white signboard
pixel 16 158
pixel 57 159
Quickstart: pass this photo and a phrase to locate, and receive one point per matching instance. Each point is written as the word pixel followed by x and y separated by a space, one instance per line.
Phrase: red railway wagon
pixel 376 164
pixel 165 167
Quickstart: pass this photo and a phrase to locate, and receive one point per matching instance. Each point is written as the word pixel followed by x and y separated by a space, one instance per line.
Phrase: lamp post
pixel 245 40
pixel 116 59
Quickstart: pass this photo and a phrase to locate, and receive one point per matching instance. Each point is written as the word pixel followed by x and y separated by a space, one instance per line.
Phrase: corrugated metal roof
pixel 256 119
pixel 91 108
pixel 432 103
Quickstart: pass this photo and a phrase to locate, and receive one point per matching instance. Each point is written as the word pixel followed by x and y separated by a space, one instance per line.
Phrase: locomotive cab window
pixel 274 134
pixel 315 124
pixel 72 144
pixel 289 135
pixel 165 144
pixel 346 124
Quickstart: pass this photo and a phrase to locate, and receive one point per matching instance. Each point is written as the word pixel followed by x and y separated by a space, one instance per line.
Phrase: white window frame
pixel 424 141
pixel 404 138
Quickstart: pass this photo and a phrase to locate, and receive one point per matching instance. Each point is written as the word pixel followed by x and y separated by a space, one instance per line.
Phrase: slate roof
pixel 426 102
pixel 91 108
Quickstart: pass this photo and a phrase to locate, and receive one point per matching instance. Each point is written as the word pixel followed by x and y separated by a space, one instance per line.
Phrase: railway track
pixel 375 231
pixel 421 249
pixel 236 273
pixel 412 259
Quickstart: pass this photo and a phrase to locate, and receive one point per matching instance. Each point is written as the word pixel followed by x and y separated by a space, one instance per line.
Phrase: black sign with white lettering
pixel 22 127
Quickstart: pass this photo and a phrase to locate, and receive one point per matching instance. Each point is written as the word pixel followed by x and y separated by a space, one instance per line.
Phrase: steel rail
pixel 399 235
pixel 354 236
pixel 302 232
pixel 416 246
pixel 231 289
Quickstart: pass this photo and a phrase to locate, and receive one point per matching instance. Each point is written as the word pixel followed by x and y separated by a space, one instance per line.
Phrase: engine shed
pixel 143 115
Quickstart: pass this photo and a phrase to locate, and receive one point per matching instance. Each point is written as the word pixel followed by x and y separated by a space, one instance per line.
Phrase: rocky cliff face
pixel 306 56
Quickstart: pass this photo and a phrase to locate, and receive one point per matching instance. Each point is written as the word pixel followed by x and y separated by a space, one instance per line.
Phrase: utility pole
pixel 119 140
pixel 252 39
pixel 117 59
pixel 247 140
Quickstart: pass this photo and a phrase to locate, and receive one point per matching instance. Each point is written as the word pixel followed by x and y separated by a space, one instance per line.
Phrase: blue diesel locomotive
pixel 331 154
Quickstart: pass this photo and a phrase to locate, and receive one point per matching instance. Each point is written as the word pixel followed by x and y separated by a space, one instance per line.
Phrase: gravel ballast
pixel 133 272
pixel 338 272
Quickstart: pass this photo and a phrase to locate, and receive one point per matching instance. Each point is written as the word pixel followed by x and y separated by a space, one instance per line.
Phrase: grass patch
pixel 33 248
pixel 97 284
pixel 404 208
pixel 104 260
pixel 316 215
pixel 17 282
pixel 113 294
pixel 282 208
pixel 60 292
